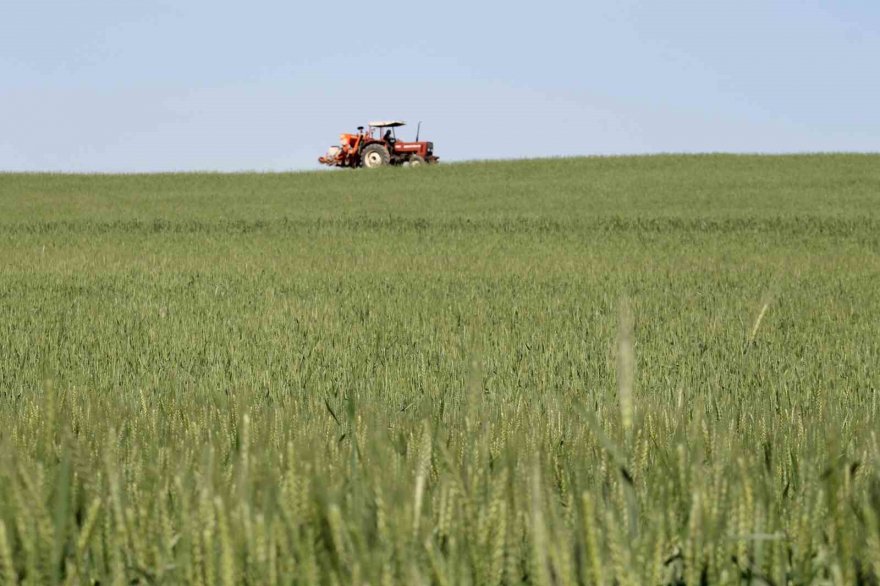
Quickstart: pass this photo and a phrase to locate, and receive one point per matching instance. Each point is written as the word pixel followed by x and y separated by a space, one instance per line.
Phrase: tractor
pixel 378 146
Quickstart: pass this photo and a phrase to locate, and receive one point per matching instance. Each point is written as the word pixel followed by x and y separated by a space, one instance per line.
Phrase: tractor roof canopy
pixel 387 123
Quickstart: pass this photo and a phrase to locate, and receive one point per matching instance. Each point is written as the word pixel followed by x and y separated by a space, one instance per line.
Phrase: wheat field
pixel 639 370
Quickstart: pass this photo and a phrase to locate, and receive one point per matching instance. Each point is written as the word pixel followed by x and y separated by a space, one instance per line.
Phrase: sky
pixel 185 85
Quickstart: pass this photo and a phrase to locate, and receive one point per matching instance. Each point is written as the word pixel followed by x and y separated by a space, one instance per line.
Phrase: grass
pixel 649 370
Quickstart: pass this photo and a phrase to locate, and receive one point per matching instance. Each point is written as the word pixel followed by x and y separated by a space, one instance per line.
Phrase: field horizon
pixel 654 369
pixel 478 161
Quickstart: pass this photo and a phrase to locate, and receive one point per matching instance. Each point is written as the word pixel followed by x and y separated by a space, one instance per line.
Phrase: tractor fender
pixel 365 143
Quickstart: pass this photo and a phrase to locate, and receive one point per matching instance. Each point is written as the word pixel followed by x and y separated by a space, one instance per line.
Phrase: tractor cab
pixel 384 130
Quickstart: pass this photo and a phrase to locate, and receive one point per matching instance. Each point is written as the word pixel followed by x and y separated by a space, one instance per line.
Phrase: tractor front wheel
pixel 375 155
pixel 416 161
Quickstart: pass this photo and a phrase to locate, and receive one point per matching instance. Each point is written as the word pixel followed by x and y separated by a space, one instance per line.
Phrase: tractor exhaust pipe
pixel 418 129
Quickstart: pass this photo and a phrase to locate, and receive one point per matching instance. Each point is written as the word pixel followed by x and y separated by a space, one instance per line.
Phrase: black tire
pixel 416 161
pixel 375 156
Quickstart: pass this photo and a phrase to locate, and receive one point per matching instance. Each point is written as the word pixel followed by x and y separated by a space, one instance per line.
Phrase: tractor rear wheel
pixel 375 155
pixel 416 161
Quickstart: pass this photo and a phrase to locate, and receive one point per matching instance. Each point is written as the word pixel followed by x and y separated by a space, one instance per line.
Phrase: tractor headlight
pixel 430 147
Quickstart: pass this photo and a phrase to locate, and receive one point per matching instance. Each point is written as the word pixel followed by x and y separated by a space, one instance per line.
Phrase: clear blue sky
pixel 124 85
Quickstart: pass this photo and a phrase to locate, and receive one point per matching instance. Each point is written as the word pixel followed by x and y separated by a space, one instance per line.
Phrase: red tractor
pixel 378 146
